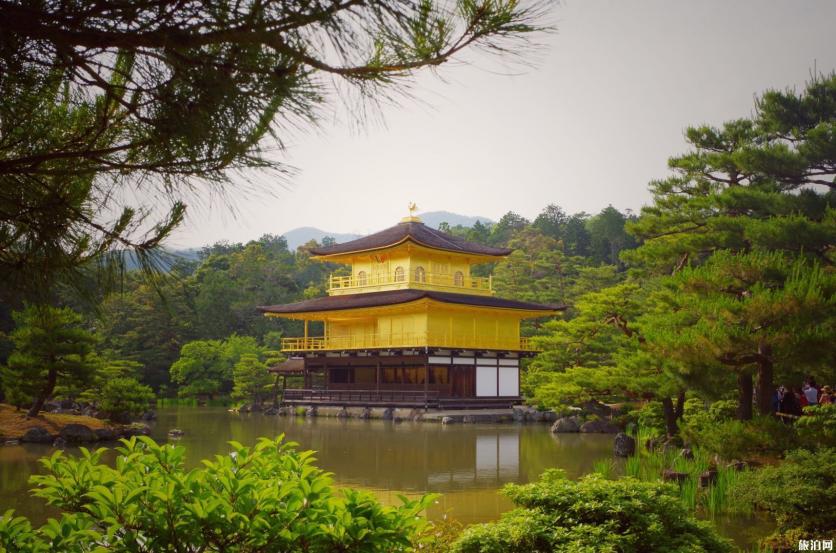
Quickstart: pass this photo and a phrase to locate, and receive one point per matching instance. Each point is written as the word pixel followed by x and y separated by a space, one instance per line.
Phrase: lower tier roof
pixel 395 297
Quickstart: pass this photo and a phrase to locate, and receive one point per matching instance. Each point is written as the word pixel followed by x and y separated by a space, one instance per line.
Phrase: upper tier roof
pixel 394 297
pixel 417 232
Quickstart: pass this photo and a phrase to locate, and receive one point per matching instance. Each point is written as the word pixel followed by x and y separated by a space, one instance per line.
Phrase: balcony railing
pixel 413 278
pixel 406 340
pixel 416 397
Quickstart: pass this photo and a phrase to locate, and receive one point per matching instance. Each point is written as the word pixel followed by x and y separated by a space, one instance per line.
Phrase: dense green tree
pixel 200 370
pixel 124 398
pixel 148 325
pixel 601 353
pixel 479 233
pixel 750 184
pixel 229 286
pixel 570 231
pixel 552 221
pixel 50 346
pixel 759 184
pixel 576 238
pixel 177 98
pixel 760 313
pixel 508 226
pixel 607 235
pixel 538 270
pixel 106 369
pixel 251 379
pixel 205 367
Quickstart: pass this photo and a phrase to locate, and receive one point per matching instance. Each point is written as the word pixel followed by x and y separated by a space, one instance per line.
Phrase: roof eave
pixel 545 311
pixel 486 256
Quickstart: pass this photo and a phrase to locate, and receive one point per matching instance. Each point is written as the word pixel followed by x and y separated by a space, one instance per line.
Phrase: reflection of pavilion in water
pixel 413 457
pixel 496 460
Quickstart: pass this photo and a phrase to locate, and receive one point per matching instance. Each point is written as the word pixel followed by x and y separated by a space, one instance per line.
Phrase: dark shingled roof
pixel 394 297
pixel 415 231
pixel 294 365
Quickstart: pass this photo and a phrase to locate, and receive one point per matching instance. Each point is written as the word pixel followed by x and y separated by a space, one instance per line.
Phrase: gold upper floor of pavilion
pixel 410 255
pixel 413 278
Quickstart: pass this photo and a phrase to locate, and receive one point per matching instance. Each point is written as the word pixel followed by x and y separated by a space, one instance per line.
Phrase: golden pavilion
pixel 409 326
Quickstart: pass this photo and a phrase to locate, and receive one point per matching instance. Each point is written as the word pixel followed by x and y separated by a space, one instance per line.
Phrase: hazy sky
pixel 590 125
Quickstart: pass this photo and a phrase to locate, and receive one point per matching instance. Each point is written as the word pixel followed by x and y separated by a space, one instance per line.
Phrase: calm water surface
pixel 466 463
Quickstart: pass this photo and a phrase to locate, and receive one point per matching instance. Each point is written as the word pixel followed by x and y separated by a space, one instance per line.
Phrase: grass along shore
pixel 14 423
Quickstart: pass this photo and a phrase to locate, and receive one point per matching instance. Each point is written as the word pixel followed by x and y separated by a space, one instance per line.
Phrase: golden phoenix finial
pixel 412 218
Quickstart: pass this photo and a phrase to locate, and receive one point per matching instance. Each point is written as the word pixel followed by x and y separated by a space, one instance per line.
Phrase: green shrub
pixel 725 409
pixel 266 498
pixel 818 427
pixel 590 515
pixel 125 398
pixel 798 493
pixel 651 418
pixel 734 439
pixel 693 406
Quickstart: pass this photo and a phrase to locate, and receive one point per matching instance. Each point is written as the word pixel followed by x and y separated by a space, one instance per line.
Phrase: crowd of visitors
pixel 792 401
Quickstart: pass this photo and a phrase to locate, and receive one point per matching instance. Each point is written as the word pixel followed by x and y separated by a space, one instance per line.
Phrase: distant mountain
pixel 188 254
pixel 167 260
pixel 303 235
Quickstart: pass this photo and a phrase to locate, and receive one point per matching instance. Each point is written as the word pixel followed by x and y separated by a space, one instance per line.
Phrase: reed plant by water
pixel 718 499
pixel 605 467
pixel 712 499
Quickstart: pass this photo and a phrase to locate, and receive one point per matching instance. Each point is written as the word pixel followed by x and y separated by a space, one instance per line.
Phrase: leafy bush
pixel 725 409
pixel 798 492
pixel 125 398
pixel 818 427
pixel 734 439
pixel 266 498
pixel 556 514
pixel 651 418
pixel 692 406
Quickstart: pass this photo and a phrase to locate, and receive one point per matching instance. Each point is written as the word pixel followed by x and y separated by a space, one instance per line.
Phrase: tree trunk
pixel 766 386
pixel 671 428
pixel 680 404
pixel 47 390
pixel 276 391
pixel 744 396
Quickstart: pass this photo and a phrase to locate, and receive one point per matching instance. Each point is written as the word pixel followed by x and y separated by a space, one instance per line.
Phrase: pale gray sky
pixel 589 126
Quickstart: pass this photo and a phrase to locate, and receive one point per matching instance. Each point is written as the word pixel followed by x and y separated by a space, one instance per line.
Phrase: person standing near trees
pixel 811 391
pixel 826 396
pixel 777 398
pixel 790 404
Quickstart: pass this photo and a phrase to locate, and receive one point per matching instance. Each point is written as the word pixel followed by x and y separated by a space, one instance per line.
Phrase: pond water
pixel 466 463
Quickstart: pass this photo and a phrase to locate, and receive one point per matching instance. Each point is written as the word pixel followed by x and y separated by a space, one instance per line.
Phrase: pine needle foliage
pixel 115 114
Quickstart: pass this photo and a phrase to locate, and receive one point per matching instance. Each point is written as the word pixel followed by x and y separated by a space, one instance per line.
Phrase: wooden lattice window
pixel 362 279
pixel 458 278
pixel 420 274
pixel 399 274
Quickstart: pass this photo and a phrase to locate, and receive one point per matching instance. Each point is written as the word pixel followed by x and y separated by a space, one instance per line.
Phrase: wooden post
pixel 426 384
pixel 377 378
pixel 306 333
